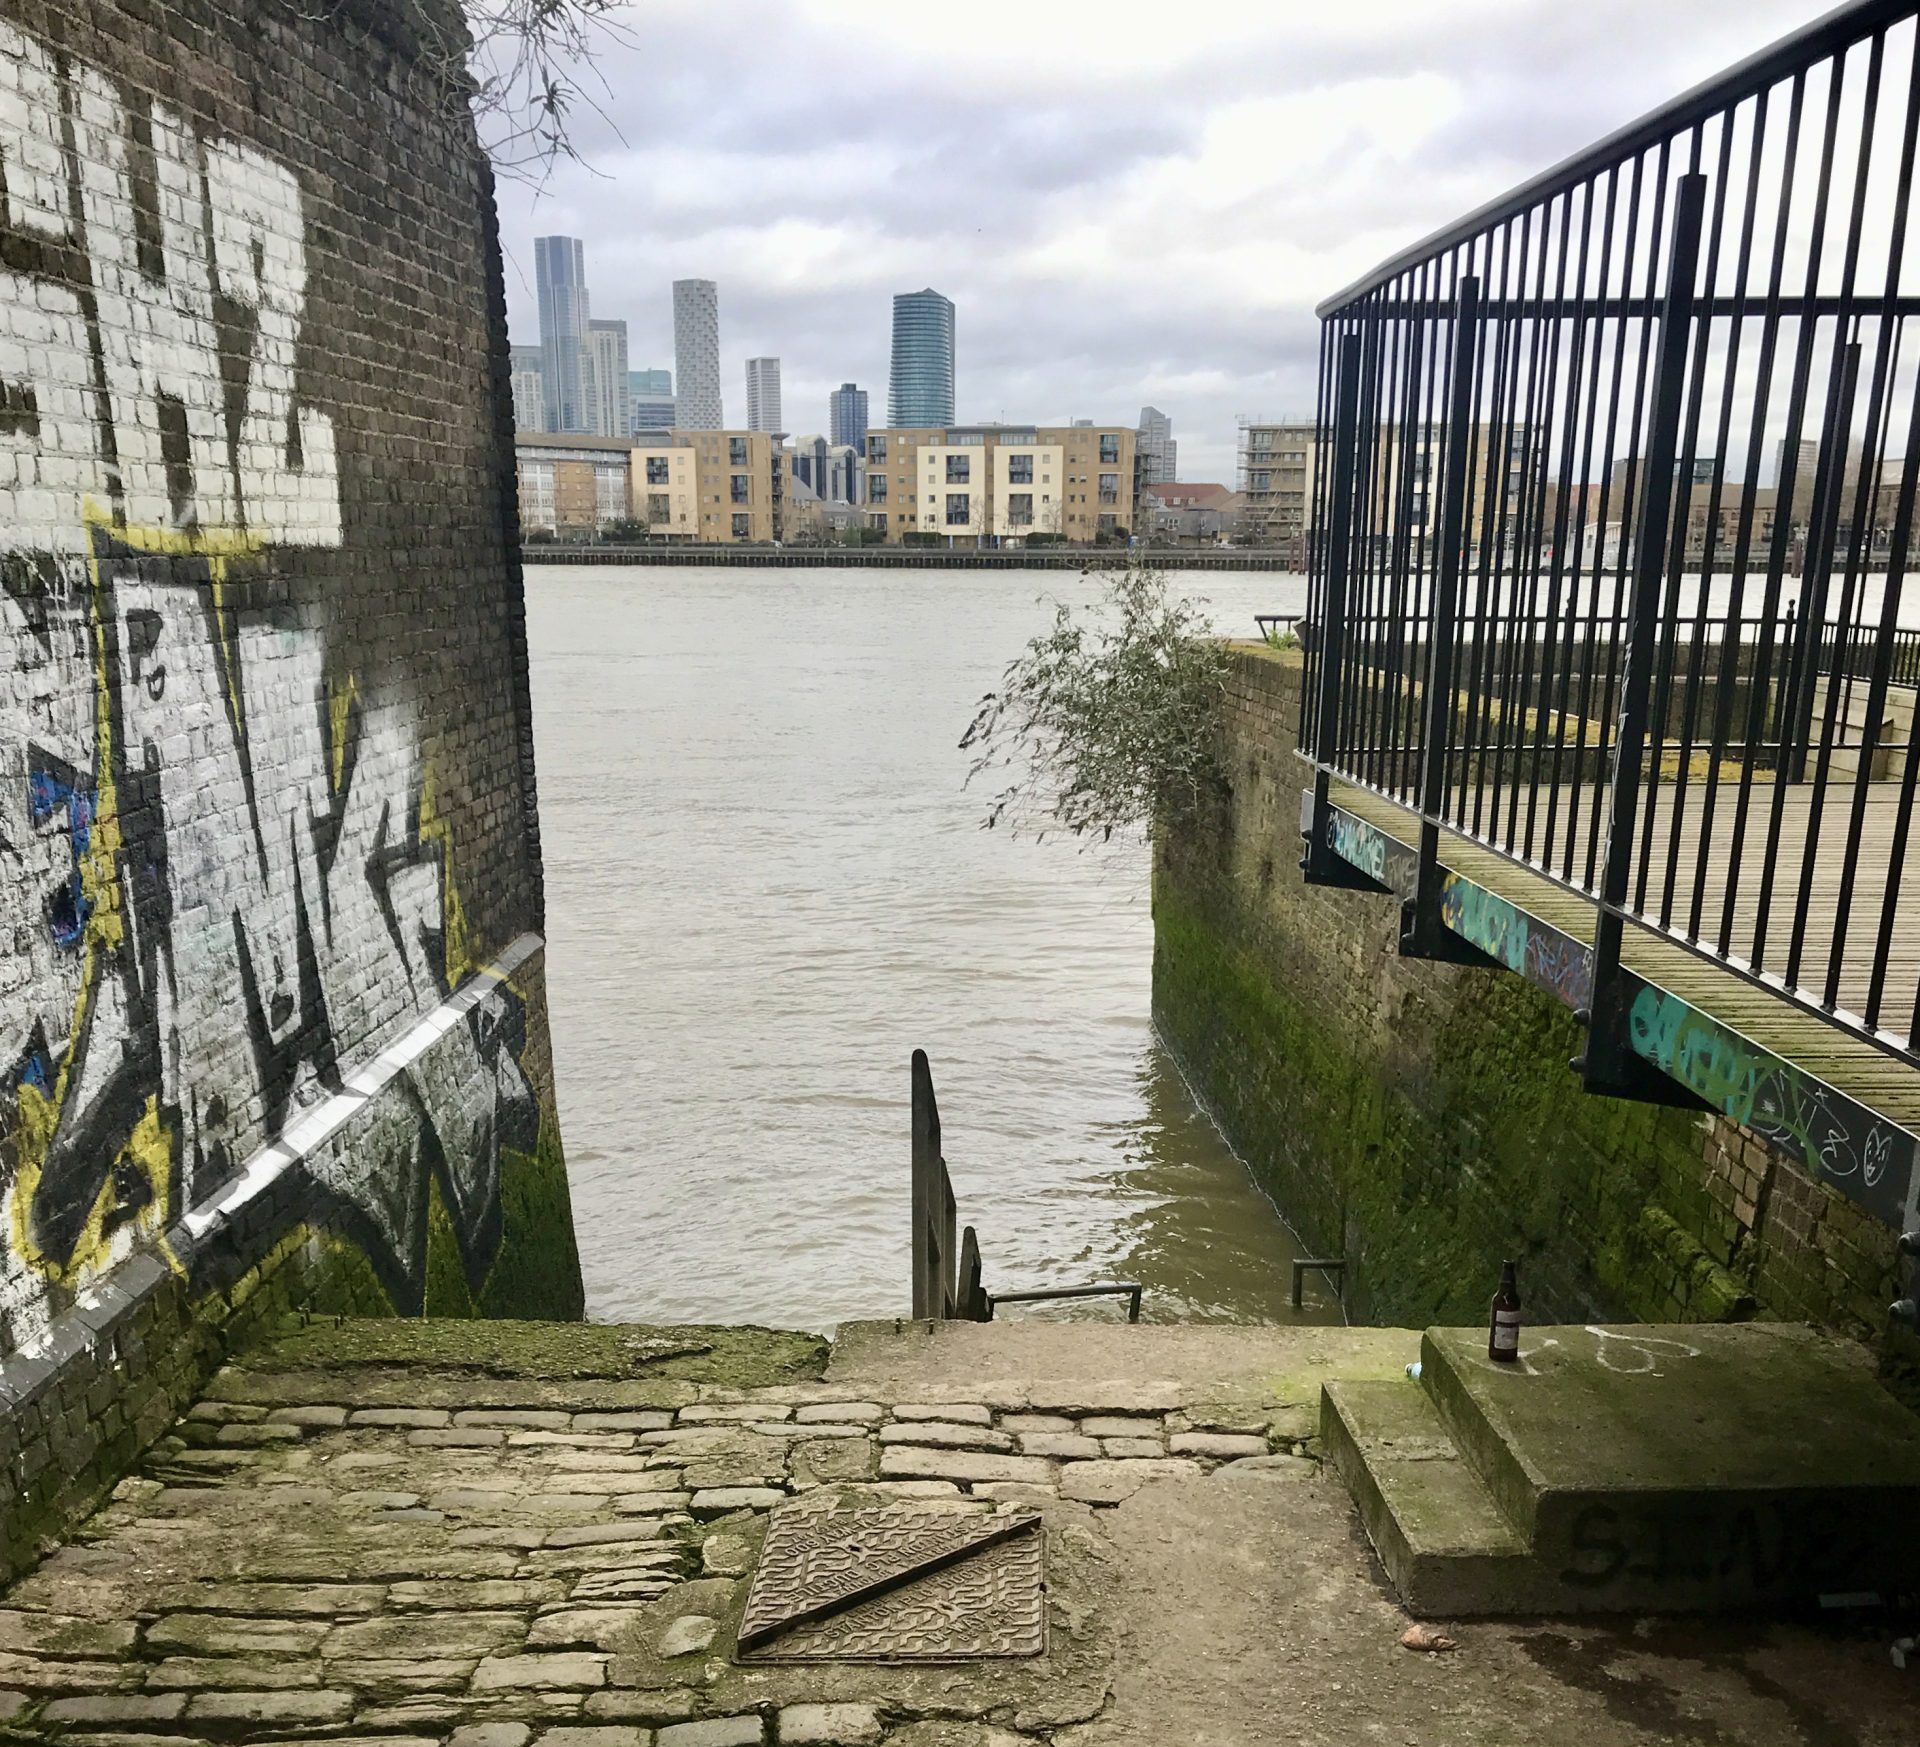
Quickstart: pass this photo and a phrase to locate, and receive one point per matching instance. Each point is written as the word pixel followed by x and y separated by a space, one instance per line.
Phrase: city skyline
pixel 1100 205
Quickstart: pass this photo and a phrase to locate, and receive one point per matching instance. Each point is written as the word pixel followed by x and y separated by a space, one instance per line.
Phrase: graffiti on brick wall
pixel 226 864
pixel 1504 932
pixel 1840 1142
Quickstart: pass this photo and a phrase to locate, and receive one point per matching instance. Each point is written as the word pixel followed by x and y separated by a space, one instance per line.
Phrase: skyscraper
pixel 608 395
pixel 763 394
pixel 696 354
pixel 560 276
pixel 1159 453
pixel 650 400
pixel 847 416
pixel 920 393
pixel 529 389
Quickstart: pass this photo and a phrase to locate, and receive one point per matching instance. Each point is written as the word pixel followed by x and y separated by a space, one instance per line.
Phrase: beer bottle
pixel 1503 1333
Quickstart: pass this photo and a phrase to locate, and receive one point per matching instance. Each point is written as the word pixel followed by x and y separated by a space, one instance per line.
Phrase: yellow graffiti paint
pixel 149 1147
pixel 460 955
pixel 341 697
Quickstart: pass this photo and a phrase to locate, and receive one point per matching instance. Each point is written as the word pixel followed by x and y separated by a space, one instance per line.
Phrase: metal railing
pixel 1552 606
pixel 947 1274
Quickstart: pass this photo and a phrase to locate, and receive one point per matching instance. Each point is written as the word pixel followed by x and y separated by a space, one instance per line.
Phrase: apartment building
pixel 1276 479
pixel 718 486
pixel 1001 484
pixel 571 486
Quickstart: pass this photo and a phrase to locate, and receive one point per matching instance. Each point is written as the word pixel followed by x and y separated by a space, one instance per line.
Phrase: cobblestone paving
pixel 462 1567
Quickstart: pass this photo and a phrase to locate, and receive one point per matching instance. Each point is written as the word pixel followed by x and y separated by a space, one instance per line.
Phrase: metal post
pixel 1320 865
pixel 1422 933
pixel 1609 1065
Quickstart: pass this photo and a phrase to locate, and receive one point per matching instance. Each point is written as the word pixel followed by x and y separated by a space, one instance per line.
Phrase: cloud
pixel 1126 203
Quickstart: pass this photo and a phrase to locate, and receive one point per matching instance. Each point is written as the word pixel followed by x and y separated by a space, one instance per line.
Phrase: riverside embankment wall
pixel 273 1023
pixel 1420 1119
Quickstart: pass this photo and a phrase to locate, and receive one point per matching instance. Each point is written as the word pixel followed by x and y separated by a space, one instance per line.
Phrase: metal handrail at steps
pixel 947 1277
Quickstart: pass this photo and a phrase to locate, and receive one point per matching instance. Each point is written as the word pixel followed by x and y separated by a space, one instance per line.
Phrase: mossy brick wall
pixel 1420 1118
pixel 273 1026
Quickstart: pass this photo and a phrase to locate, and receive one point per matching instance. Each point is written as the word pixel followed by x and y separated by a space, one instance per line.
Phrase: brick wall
pixel 1420 1118
pixel 272 1015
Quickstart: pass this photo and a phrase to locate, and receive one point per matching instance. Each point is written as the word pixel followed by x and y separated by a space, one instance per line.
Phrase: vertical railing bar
pixel 1770 594
pixel 1388 772
pixel 1839 423
pixel 1731 640
pixel 1462 759
pixel 1508 537
pixel 1339 559
pixel 1635 491
pixel 1607 1041
pixel 1562 526
pixel 1811 625
pixel 1316 557
pixel 1485 605
pixel 1437 361
pixel 1577 780
pixel 1682 519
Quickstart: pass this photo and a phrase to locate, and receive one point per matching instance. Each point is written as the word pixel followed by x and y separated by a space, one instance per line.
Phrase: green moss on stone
pixel 741 1357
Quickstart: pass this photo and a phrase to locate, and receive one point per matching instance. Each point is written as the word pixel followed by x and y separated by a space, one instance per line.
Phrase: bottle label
pixel 1506 1331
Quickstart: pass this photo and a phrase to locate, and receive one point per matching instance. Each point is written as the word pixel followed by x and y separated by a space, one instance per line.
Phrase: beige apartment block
pixel 665 491
pixel 1001 483
pixel 739 485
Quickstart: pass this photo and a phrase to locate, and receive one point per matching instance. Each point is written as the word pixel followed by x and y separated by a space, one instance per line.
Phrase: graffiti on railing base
pixel 1861 1153
pixel 1365 846
pixel 1506 933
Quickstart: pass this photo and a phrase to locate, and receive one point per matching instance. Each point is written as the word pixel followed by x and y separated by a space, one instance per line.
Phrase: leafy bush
pixel 1109 721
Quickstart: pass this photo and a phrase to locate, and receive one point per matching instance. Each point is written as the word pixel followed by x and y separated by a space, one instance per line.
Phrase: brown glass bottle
pixel 1503 1328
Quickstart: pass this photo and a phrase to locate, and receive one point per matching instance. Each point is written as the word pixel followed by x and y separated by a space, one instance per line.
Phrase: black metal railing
pixel 1553 606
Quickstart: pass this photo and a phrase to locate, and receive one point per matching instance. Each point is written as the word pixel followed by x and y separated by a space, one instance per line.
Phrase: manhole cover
pixel 896 1586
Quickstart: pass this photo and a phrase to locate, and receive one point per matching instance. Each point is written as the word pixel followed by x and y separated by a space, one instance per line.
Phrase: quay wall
pixel 1420 1119
pixel 273 1027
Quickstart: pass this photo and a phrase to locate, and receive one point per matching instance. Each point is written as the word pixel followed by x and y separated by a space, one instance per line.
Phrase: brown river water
pixel 766 885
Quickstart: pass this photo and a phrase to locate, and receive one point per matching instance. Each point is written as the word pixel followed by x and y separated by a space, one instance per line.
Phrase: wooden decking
pixel 1765 1016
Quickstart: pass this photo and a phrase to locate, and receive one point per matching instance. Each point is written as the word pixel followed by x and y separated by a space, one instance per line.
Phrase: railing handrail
pixel 1833 31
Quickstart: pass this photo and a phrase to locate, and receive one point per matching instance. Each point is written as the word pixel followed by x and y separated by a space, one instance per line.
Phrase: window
pixel 878 523
pixel 957 509
pixel 657 509
pixel 609 493
pixel 1019 469
pixel 876 451
pixel 1109 488
pixel 740 492
pixel 1109 448
pixel 1019 509
pixel 737 451
pixel 1260 482
pixel 877 488
pixel 959 469
pixel 742 527
pixel 656 470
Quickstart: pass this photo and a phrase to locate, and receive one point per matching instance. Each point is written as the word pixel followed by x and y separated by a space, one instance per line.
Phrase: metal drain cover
pixel 896 1585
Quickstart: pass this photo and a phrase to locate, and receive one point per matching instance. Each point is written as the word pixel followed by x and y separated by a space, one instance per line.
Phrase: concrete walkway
pixel 493 1538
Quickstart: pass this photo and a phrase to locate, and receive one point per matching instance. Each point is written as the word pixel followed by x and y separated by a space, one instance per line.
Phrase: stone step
pixel 1687 1466
pixel 1446 1547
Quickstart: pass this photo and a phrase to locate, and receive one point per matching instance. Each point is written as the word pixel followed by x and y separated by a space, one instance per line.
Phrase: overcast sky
pixel 1126 203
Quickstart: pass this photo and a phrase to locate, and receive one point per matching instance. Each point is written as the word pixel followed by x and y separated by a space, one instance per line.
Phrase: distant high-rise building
pixel 696 354
pixel 920 391
pixel 608 395
pixel 763 394
pixel 650 405
pixel 1159 453
pixel 529 389
pixel 560 276
pixel 847 416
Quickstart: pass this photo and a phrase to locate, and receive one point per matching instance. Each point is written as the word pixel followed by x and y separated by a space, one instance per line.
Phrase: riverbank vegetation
pixel 1108 721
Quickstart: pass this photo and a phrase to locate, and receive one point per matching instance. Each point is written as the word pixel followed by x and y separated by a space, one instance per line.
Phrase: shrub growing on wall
pixel 1109 721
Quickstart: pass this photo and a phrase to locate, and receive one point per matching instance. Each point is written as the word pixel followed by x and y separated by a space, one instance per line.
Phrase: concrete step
pixel 1446 1547
pixel 1687 1466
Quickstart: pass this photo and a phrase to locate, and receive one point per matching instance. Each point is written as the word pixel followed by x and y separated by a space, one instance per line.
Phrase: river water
pixel 766 885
